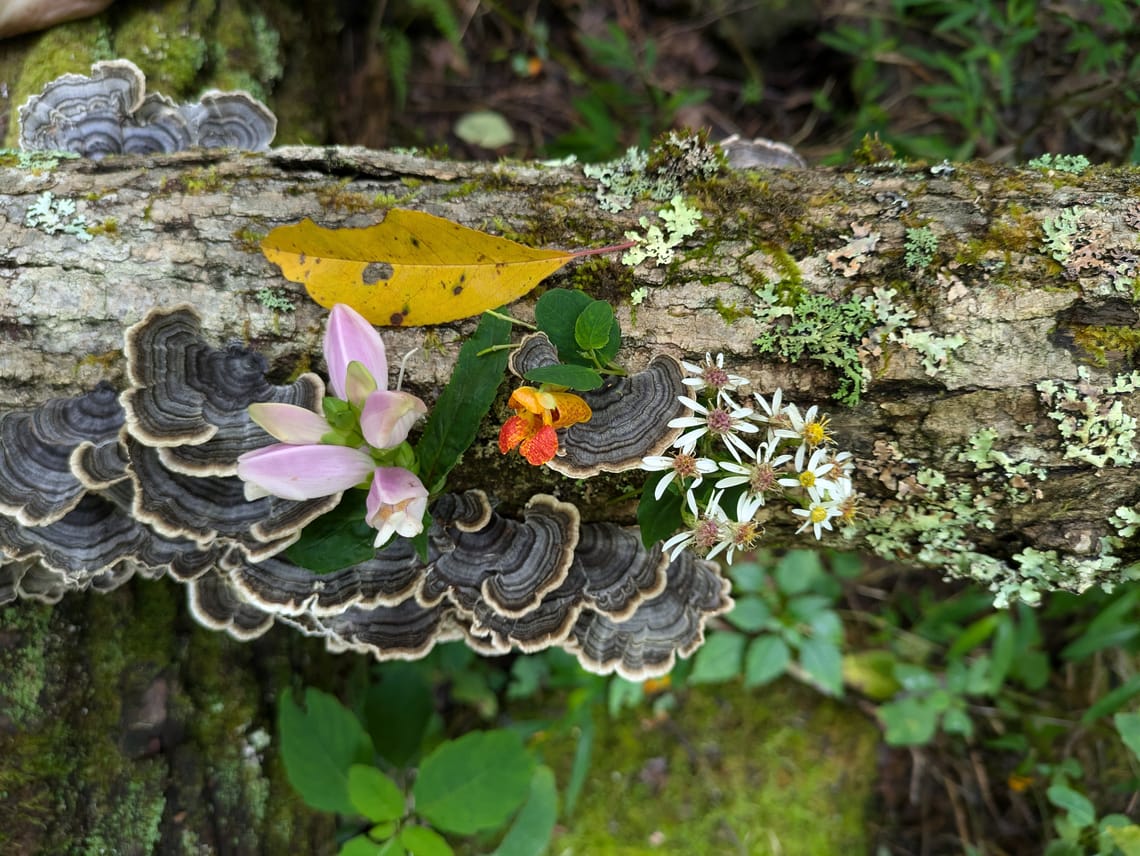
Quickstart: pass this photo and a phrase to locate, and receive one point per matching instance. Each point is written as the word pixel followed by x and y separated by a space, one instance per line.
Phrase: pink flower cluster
pixel 360 447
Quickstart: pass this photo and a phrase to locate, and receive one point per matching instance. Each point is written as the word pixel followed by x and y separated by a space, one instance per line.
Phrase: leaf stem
pixel 597 251
pixel 500 315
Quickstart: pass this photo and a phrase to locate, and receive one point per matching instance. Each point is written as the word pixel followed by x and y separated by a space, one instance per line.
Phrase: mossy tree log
pixel 1013 278
pixel 1033 271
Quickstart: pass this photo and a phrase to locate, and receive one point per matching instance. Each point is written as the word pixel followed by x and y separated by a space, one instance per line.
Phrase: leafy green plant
pixel 475 783
pixel 784 621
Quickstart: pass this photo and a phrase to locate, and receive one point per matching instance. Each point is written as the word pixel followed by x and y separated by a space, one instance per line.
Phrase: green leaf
pixel 1126 837
pixel 973 636
pixel 581 378
pixel 392 847
pixel 797 570
pixel 957 721
pixel 766 660
pixel 1081 811
pixel 583 754
pixel 748 577
pixel 592 326
pixel 908 721
pixel 336 539
pixel 823 663
pixel 423 841
pixel 319 743
pixel 1128 724
pixel 454 420
pixel 751 614
pixel 871 672
pixel 374 795
pixel 530 833
pixel 361 845
pixel 719 659
pixel 397 710
pixel 556 315
pixel 658 518
pixel 1112 701
pixel 474 782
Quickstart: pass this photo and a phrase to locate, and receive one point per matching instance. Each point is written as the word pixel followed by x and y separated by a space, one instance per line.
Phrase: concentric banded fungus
pixel 108 113
pixel 630 414
pixel 282 588
pixel 760 153
pixel 191 399
pixel 511 565
pixel 232 120
pixel 81 114
pixel 646 644
pixel 37 483
pixel 214 603
pixel 407 631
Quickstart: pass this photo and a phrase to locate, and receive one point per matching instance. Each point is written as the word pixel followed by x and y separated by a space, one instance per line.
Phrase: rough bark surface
pixel 1032 295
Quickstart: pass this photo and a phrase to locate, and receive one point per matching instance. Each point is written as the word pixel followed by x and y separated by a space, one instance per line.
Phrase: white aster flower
pixel 814 475
pixel 724 421
pixel 709 534
pixel 759 472
pixel 711 375
pixel 774 413
pixel 808 429
pixel 681 466
pixel 818 515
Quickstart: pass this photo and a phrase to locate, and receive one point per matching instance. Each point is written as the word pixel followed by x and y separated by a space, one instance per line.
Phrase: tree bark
pixel 1033 270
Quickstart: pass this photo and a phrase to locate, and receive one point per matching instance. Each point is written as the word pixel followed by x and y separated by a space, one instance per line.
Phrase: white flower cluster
pixel 763 452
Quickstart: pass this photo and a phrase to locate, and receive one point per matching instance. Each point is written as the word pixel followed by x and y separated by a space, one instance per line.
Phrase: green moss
pixel 730 312
pixel 731 771
pixel 168 41
pixel 1108 343
pixel 108 228
pixel 871 150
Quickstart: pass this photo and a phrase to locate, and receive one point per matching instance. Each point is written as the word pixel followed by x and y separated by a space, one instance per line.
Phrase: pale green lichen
pixel 56 216
pixel 1091 420
pixel 276 299
pixel 658 174
pixel 1075 164
pixel 680 221
pixel 921 244
pixel 638 295
pixel 1060 232
pixel 35 161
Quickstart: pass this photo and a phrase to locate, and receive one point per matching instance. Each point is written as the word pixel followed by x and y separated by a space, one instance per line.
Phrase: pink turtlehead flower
pixel 349 339
pixel 289 423
pixel 302 472
pixel 388 416
pixel 396 504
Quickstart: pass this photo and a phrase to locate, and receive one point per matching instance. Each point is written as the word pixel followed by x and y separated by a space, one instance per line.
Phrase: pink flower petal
pixel 387 418
pixel 289 423
pixel 396 504
pixel 304 472
pixel 350 337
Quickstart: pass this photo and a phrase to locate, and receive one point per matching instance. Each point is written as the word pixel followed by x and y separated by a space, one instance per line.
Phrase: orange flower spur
pixel 538 413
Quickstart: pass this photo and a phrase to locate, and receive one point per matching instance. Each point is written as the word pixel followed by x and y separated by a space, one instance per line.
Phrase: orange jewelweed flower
pixel 538 412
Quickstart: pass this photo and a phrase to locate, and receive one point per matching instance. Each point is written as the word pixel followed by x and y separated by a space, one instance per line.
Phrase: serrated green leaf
pixel 823 663
pixel 750 614
pixel 336 539
pixel 397 710
pixel 530 832
pixel 319 743
pixel 719 659
pixel 657 518
pixel 474 782
pixel 581 378
pixel 766 660
pixel 423 841
pixel 1080 809
pixel 454 420
pixel 797 570
pixel 374 795
pixel 592 326
pixel 555 314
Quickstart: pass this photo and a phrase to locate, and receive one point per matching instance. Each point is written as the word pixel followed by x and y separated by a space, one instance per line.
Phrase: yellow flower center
pixel 818 514
pixel 807 478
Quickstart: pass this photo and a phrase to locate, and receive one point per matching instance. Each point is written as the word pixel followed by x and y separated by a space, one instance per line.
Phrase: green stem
pixel 503 317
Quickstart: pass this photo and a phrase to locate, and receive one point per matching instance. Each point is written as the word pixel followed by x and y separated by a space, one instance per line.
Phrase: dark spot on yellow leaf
pixel 375 272
pixel 415 241
pixel 301 259
pixel 457 290
pixel 396 319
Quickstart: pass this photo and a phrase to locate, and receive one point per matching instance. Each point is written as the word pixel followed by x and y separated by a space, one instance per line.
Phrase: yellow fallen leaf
pixel 412 268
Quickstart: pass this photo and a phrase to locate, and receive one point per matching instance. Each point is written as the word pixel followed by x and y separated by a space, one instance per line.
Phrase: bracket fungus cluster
pixel 96 488
pixel 109 112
